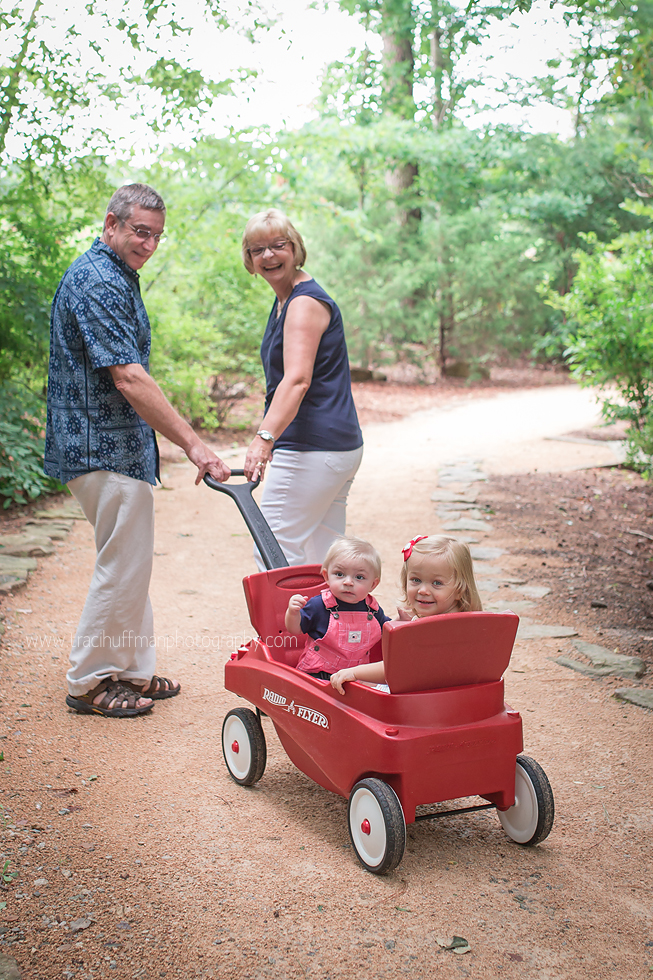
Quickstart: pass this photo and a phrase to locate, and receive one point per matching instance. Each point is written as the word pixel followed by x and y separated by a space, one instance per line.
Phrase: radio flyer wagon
pixel 442 733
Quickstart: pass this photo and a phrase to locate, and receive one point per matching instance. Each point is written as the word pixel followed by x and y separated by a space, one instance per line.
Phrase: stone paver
pixel 14 572
pixel 536 631
pixel 24 545
pixel 518 606
pixel 57 529
pixel 642 698
pixel 494 571
pixel 533 591
pixel 462 475
pixel 8 968
pixel 70 511
pixel 454 512
pixel 455 496
pixel 468 525
pixel 605 662
pixel 487 554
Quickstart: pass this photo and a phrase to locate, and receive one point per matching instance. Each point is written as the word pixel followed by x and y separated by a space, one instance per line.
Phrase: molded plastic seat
pixel 450 650
pixel 268 594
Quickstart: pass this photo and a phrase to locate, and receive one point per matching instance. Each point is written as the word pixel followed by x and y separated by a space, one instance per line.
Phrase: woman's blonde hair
pixel 457 554
pixel 272 221
pixel 351 549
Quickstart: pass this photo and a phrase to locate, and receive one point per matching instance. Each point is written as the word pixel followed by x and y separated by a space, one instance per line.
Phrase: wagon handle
pixel 264 539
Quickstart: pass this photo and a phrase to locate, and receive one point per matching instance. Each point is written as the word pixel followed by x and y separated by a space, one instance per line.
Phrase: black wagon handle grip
pixel 264 539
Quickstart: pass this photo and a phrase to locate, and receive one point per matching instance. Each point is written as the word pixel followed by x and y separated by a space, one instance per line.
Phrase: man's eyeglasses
pixel 144 234
pixel 257 250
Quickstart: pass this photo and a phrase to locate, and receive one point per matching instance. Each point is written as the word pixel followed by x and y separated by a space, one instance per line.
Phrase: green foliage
pixel 611 319
pixel 54 97
pixel 45 214
pixel 207 312
pixel 21 447
pixel 62 75
pixel 6 875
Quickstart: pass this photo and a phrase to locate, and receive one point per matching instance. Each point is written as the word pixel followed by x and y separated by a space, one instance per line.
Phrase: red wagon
pixel 442 733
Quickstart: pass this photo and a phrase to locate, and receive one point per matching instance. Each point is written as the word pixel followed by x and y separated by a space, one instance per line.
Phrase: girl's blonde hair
pixel 272 222
pixel 457 554
pixel 353 548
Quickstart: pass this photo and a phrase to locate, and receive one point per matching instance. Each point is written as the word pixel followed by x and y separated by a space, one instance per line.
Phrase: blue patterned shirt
pixel 98 319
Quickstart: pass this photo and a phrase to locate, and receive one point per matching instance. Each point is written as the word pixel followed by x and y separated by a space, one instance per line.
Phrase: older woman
pixel 309 433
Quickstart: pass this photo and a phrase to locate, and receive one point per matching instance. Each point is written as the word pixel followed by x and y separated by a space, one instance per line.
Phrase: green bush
pixel 22 417
pixel 611 319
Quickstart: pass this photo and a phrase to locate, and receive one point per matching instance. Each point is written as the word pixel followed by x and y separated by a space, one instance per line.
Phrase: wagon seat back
pixel 267 595
pixel 451 650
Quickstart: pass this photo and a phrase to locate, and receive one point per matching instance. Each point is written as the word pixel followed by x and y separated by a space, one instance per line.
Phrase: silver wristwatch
pixel 264 434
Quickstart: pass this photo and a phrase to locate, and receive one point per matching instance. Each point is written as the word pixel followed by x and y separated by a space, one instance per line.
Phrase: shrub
pixel 22 416
pixel 611 320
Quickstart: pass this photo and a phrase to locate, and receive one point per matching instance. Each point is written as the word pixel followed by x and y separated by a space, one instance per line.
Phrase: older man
pixel 102 409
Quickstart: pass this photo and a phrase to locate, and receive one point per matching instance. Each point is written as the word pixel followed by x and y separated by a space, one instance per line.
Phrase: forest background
pixel 445 235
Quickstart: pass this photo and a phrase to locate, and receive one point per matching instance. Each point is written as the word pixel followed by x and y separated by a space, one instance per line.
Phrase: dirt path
pixel 137 856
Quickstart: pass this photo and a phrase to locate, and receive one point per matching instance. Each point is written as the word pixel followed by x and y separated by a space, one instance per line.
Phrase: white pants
pixel 305 501
pixel 115 633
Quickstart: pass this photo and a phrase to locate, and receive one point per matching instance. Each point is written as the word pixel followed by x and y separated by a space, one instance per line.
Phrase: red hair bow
pixel 408 548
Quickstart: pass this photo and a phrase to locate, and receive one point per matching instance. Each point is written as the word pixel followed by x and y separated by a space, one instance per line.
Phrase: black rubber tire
pixel 530 820
pixel 242 728
pixel 381 848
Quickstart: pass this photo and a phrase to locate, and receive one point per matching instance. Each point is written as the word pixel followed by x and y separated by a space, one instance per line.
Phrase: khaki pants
pixel 115 633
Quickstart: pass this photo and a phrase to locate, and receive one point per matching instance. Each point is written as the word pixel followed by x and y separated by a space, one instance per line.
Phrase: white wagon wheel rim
pixel 520 821
pixel 237 748
pixel 368 828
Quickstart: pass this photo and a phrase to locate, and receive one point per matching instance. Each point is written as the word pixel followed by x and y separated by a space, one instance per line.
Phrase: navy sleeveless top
pixel 326 420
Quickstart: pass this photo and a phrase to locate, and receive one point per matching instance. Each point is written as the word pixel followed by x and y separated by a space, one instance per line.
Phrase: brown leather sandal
pixel 158 688
pixel 116 693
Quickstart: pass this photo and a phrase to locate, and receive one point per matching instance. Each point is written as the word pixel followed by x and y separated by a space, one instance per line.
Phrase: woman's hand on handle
pixel 258 456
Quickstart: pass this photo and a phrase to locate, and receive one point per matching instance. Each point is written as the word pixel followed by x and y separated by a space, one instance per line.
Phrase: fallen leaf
pixel 457 944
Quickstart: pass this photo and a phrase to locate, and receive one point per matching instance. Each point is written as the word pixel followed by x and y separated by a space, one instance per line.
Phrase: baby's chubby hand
pixel 340 677
pixel 403 614
pixel 297 602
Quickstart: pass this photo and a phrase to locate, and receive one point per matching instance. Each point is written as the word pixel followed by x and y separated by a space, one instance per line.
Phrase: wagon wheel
pixel 376 825
pixel 243 746
pixel 530 820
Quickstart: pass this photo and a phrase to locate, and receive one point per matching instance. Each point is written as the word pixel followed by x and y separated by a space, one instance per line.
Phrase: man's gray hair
pixel 131 196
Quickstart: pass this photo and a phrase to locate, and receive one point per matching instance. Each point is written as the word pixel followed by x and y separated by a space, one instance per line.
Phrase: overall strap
pixel 330 602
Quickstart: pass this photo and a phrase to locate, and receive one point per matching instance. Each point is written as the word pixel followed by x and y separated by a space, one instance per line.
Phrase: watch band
pixel 264 434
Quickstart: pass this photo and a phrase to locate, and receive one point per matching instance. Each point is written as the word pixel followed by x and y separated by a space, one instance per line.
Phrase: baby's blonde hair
pixel 458 555
pixel 352 548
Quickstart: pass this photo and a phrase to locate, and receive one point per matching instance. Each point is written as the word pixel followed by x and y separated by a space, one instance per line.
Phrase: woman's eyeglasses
pixel 257 250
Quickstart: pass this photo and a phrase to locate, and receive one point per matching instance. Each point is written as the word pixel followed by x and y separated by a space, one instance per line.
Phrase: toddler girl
pixel 344 622
pixel 437 577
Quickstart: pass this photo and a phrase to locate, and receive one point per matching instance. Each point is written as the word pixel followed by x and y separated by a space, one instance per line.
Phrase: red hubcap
pixel 235 747
pixel 365 827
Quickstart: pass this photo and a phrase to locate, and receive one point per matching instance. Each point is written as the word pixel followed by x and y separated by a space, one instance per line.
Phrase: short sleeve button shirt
pixel 98 320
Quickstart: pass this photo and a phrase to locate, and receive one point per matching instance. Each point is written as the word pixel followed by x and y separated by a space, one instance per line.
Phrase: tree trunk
pixel 397 30
pixel 437 67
